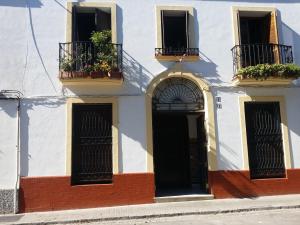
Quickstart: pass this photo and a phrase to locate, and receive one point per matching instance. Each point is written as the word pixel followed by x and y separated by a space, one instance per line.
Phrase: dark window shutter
pixel 162 29
pixel 102 20
pixel 74 24
pixel 239 26
pixel 273 29
pixel 187 28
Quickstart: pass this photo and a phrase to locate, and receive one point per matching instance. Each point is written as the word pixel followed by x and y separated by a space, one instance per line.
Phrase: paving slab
pixel 156 210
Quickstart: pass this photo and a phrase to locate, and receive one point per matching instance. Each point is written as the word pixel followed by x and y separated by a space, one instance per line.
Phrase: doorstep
pixel 184 198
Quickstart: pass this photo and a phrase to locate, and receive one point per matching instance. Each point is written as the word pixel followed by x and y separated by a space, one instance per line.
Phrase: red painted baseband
pixel 236 184
pixel 56 193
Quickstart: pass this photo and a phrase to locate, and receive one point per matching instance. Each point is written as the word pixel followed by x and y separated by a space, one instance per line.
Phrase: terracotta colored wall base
pixel 228 184
pixel 56 193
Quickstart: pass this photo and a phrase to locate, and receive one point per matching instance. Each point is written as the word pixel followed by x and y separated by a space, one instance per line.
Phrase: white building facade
pixel 169 113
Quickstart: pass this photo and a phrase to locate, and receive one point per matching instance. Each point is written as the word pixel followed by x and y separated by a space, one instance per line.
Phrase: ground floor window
pixel 91 143
pixel 264 140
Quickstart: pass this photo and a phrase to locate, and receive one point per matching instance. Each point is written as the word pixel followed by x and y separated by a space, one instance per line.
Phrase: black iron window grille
pixel 176 51
pixel 264 139
pixel 92 143
pixel 253 54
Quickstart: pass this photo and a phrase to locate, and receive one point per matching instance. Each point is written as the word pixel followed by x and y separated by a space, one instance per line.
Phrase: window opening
pixel 264 139
pixel 92 143
pixel 258 38
pixel 255 30
pixel 86 20
pixel 175 29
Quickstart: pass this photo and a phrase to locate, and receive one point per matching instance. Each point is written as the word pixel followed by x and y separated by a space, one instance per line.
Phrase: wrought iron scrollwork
pixel 264 138
pixel 177 94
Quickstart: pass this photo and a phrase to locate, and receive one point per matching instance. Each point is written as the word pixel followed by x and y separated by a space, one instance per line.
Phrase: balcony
pixel 263 65
pixel 81 62
pixel 177 54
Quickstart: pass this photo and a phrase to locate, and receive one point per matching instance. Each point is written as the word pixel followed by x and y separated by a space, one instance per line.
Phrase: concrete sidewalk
pixel 155 210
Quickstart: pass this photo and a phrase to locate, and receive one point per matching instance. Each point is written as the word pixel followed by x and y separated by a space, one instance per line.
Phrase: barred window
pixel 92 143
pixel 264 139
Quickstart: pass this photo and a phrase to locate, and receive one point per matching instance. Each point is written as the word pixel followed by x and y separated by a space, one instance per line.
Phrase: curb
pixel 212 212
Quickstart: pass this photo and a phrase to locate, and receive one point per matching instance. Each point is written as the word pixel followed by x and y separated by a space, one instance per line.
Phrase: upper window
pixel 175 33
pixel 91 49
pixel 175 29
pixel 257 28
pixel 86 20
pixel 90 16
pixel 256 38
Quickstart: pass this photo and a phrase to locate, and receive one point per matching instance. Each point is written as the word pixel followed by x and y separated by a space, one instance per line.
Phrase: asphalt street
pixel 269 217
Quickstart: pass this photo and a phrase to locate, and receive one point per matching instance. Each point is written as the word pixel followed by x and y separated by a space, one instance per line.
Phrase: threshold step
pixel 183 198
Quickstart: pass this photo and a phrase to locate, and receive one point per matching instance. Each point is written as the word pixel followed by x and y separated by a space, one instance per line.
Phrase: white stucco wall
pixel 31 31
pixel 43 137
pixel 132 134
pixel 8 140
pixel 229 128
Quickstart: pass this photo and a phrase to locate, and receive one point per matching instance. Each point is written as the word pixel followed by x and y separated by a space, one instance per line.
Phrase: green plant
pixel 102 66
pixel 66 64
pixel 100 39
pixel 87 68
pixel 263 71
pixel 106 52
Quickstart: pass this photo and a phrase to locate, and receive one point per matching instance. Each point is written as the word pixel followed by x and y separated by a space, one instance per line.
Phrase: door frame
pixel 284 126
pixel 178 71
pixel 187 113
pixel 115 128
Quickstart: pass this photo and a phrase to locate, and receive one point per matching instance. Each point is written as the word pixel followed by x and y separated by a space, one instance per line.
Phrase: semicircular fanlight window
pixel 177 94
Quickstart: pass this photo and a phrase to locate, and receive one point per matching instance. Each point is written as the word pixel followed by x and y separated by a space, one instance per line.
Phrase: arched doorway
pixel 179 138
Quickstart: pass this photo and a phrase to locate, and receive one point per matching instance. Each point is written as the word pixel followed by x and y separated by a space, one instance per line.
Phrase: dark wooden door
pixel 171 150
pixel 92 143
pixel 198 156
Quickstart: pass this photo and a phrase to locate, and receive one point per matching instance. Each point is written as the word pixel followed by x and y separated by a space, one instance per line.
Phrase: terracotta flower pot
pixel 65 74
pixel 80 74
pixel 115 75
pixel 97 74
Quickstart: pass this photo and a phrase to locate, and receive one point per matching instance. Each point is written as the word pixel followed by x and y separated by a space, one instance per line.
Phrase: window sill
pixel 271 81
pixel 173 58
pixel 269 179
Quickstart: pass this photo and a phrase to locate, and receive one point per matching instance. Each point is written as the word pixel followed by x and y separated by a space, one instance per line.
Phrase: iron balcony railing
pixel 176 51
pixel 84 57
pixel 254 54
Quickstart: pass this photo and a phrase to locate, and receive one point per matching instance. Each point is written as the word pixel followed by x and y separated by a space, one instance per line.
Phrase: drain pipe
pixel 15 95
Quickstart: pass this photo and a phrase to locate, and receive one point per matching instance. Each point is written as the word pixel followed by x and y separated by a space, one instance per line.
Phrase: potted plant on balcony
pixel 87 70
pixel 66 67
pixel 99 70
pixel 106 55
pixel 267 74
pixel 83 63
